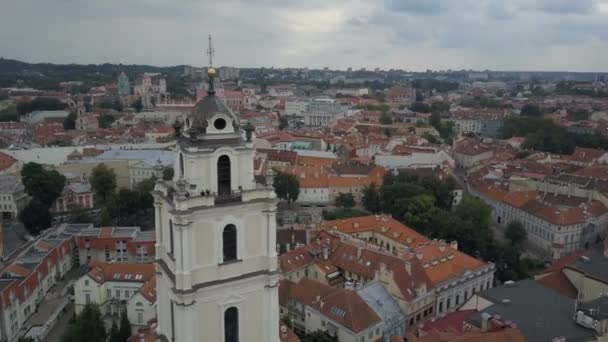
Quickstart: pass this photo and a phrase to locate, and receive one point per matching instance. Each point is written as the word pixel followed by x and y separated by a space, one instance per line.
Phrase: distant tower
pixel 216 233
pixel 80 113
pixel 124 87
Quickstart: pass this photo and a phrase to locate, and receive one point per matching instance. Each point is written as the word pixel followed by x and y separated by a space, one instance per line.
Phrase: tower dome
pixel 211 118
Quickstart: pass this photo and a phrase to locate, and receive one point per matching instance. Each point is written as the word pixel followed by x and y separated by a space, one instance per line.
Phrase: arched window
pixel 223 175
pixel 181 164
pixel 231 325
pixel 229 242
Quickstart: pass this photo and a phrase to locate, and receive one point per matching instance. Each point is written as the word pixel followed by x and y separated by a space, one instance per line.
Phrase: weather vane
pixel 210 51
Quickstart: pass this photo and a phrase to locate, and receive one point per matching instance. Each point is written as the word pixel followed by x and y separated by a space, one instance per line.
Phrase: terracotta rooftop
pixel 102 272
pixel 381 224
pixel 348 309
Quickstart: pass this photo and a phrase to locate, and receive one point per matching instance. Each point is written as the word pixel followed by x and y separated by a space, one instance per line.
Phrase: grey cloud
pixel 566 6
pixel 499 34
pixel 426 7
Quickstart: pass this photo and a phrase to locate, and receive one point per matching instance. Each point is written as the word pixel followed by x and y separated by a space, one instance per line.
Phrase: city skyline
pixel 515 35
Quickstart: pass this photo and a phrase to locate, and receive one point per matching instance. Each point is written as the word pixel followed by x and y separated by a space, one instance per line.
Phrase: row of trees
pixel 425 204
pixel 544 135
pixel 40 103
pixel 88 326
pixel 122 206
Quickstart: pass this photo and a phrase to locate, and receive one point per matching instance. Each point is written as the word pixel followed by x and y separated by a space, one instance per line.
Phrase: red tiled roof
pixel 558 282
pixel 102 272
pixel 348 309
pixel 6 161
pixel 381 224
pixel 451 322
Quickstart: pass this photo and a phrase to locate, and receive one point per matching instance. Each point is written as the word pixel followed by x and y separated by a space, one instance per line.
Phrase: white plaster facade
pixel 213 195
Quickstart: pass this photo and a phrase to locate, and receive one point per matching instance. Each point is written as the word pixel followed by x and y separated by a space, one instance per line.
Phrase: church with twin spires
pixel 216 261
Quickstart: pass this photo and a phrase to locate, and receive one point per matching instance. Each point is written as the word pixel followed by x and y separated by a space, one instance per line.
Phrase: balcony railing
pixel 234 197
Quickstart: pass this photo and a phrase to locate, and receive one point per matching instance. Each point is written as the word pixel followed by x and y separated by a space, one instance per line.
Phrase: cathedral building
pixel 216 263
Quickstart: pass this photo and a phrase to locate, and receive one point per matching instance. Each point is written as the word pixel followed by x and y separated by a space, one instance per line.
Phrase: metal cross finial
pixel 210 52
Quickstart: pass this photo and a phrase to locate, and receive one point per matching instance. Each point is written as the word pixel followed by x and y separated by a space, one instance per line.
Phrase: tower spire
pixel 211 70
pixel 210 52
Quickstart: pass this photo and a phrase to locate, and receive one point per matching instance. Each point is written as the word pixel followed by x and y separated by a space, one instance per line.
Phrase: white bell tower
pixel 217 273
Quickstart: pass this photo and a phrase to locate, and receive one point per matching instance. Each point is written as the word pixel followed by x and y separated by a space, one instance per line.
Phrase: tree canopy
pixel 35 216
pixel 425 204
pixel 385 119
pixel 532 110
pixel 103 181
pixel 420 107
pixel 168 173
pixel 70 122
pixel 43 185
pixel 286 186
pixel 345 200
pixel 516 233
pixel 105 120
pixel 87 327
pixel 40 103
pixel 371 198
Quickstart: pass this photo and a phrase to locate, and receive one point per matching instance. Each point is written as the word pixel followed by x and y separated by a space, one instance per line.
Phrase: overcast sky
pixel 408 34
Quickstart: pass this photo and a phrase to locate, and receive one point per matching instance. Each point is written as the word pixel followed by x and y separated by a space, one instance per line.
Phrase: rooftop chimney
pixel 408 267
pixel 485 321
pixel 325 252
pixel 419 256
pixel 358 253
pixel 454 244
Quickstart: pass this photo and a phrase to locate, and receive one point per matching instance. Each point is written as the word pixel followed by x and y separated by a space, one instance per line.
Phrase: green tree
pixel 419 96
pixel 342 214
pixel 345 201
pixel 578 114
pixel 283 122
pixel 440 107
pixel 35 216
pixel 138 105
pixel 430 138
pixel 105 120
pixel 286 186
pixel 145 188
pixel 372 200
pixel 168 173
pixel 531 110
pixel 125 327
pixel 385 119
pixel 9 114
pixel 516 233
pixel 103 181
pixel 87 327
pixel 43 185
pixel 79 215
pixel 420 107
pixel 435 120
pixel 70 122
pixel 114 333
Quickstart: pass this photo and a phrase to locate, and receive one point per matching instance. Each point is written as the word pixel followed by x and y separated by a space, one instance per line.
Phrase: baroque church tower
pixel 217 273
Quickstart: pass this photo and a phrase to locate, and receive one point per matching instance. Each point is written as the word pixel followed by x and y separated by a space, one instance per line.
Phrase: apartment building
pixel 117 287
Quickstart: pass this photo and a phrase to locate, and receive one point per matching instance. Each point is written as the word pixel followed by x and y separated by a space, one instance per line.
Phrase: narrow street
pixel 62 324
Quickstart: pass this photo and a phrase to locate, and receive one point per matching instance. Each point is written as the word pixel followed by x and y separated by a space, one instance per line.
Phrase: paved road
pixel 62 324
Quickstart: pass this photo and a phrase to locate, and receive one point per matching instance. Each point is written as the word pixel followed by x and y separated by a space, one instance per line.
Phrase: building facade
pixel 216 232
pixel 12 196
